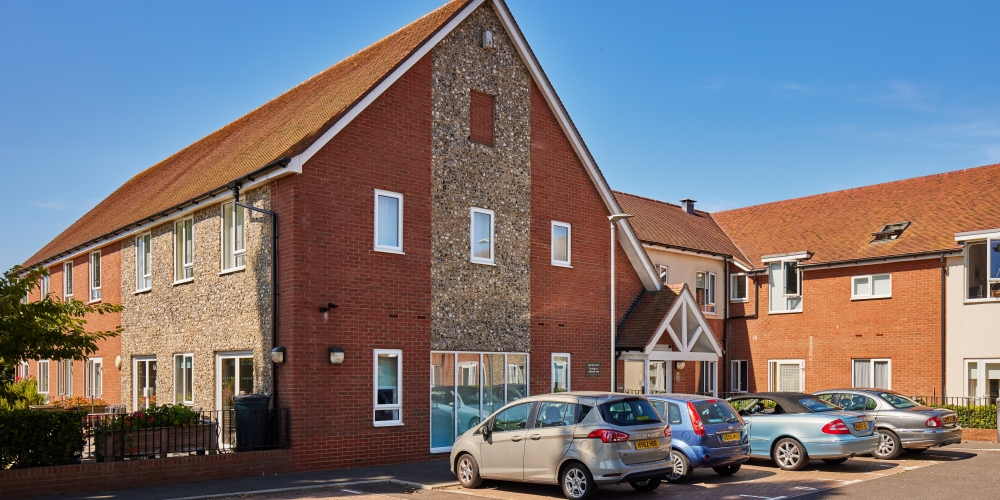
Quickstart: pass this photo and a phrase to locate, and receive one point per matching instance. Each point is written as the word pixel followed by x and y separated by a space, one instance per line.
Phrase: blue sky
pixel 729 103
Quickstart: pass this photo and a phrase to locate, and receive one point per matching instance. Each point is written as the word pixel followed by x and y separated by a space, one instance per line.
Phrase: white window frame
pixel 735 379
pixel 180 273
pixel 230 234
pixel 710 281
pixel 43 364
pixel 663 271
pixel 472 236
pixel 43 287
pixel 569 373
pixel 23 370
pixel 67 280
pixel 399 388
pixel 871 372
pixel 569 244
pixel 711 368
pixel 772 384
pixel 982 377
pixel 178 398
pixel 784 288
pixel 141 272
pixel 219 356
pixel 399 229
pixel 64 378
pixel 732 288
pixel 871 287
pixel 989 263
pixel 88 377
pixel 95 291
pixel 135 369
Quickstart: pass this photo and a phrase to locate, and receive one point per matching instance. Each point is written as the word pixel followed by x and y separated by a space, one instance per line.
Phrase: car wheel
pixel 680 470
pixel 727 470
pixel 790 455
pixel 835 461
pixel 646 484
pixel 915 450
pixel 577 482
pixel 888 447
pixel 468 472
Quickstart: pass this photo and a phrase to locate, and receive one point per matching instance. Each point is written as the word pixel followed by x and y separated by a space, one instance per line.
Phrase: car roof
pixel 789 401
pixel 681 397
pixel 867 390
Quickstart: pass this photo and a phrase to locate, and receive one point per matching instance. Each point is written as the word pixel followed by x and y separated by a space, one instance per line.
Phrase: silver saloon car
pixel 902 424
pixel 579 440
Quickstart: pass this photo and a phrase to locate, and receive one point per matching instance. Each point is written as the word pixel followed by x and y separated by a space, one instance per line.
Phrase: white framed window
pixel 43 287
pixel 234 237
pixel 68 280
pixel 143 259
pixel 388 393
pixel 184 379
pixel 43 377
pixel 234 377
pixel 388 221
pixel 143 382
pixel 93 378
pixel 481 236
pixel 560 372
pixel 982 269
pixel 738 286
pixel 871 286
pixel 982 379
pixel 784 287
pixel 95 276
pixel 562 243
pixel 705 283
pixel 871 373
pixel 183 250
pixel 22 370
pixel 786 375
pixel 664 273
pixel 739 375
pixel 707 378
pixel 64 378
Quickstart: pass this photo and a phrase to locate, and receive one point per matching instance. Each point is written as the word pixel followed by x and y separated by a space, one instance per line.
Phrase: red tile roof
pixel 668 224
pixel 837 226
pixel 282 128
pixel 644 319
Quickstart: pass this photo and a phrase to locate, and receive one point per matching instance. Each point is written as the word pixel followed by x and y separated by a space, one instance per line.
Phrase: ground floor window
pixel 43 378
pixel 560 373
pixel 64 384
pixel 635 380
pixel 786 375
pixel 235 377
pixel 143 382
pixel 22 370
pixel 982 378
pixel 467 387
pixel 739 375
pixel 388 387
pixel 93 379
pixel 183 379
pixel 873 373
pixel 707 377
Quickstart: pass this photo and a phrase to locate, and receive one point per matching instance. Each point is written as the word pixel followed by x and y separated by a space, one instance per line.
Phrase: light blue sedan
pixel 791 428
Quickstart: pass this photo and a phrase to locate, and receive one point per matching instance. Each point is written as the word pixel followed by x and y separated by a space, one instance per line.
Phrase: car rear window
pixel 898 401
pixel 817 405
pixel 715 412
pixel 629 412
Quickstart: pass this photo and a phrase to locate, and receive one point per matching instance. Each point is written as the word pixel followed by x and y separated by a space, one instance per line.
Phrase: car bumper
pixel 842 447
pixel 626 473
pixel 926 438
pixel 718 457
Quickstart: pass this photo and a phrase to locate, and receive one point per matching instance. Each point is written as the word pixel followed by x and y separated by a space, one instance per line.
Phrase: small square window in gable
pixel 481 118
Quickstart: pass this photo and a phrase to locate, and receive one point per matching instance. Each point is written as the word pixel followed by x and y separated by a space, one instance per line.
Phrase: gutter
pixel 874 260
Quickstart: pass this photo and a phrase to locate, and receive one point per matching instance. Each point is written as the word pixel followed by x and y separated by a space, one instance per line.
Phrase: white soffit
pixel 978 235
pixel 800 255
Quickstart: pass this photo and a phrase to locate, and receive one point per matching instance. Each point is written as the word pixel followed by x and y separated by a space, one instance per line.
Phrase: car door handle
pixel 535 437
pixel 516 438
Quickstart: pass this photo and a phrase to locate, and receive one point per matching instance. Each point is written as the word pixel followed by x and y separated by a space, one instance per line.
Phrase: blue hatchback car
pixel 707 432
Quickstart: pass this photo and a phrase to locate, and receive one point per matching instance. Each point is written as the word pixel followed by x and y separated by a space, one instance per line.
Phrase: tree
pixel 50 328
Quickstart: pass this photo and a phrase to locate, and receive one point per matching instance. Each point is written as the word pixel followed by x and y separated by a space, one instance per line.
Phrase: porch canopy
pixel 663 327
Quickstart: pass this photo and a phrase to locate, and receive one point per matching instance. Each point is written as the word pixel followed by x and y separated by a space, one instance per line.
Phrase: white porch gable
pixel 688 329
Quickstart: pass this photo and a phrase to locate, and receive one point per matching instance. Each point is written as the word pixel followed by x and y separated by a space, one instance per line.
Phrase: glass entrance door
pixel 235 378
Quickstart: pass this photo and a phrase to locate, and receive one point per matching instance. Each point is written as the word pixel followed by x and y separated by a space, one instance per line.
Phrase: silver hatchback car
pixel 579 440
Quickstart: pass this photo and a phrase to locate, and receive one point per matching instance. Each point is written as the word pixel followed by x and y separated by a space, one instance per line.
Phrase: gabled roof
pixel 645 317
pixel 663 223
pixel 838 226
pixel 282 128
pixel 654 313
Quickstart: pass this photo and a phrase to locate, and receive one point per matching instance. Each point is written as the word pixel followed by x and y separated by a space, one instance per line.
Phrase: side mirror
pixel 486 431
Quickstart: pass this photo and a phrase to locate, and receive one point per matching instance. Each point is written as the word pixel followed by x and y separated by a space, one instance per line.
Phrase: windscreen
pixel 817 405
pixel 629 412
pixel 898 401
pixel 715 412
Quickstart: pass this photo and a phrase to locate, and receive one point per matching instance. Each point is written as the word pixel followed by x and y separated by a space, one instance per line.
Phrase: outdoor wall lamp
pixel 118 362
pixel 278 355
pixel 679 365
pixel 327 307
pixel 336 355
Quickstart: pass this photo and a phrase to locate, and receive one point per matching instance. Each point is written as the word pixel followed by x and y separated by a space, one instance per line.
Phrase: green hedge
pixel 36 438
pixel 974 417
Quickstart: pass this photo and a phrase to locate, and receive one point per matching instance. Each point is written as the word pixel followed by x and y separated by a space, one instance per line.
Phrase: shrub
pixel 20 394
pixel 36 438
pixel 77 402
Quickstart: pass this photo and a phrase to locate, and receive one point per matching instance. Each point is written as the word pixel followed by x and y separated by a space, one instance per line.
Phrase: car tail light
pixel 933 422
pixel 699 428
pixel 836 427
pixel 609 436
pixel 668 432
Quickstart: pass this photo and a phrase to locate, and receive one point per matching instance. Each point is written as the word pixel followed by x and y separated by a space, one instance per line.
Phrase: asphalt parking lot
pixel 966 471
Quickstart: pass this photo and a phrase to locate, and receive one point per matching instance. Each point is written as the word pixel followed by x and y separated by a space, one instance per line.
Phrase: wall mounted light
pixel 336 355
pixel 679 365
pixel 327 307
pixel 487 39
pixel 278 355
pixel 118 362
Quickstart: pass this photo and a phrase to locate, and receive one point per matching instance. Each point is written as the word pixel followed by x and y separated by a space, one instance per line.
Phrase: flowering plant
pixel 153 416
pixel 77 402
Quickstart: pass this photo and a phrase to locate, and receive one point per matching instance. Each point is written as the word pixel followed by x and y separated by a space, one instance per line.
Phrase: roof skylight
pixel 890 231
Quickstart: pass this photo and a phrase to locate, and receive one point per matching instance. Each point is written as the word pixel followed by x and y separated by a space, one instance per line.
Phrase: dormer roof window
pixel 890 231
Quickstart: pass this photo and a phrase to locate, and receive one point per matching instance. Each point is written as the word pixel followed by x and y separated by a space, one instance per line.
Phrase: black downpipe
pixel 274 283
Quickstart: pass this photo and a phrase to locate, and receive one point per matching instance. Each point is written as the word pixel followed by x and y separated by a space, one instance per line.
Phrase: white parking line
pixel 807 488
pixel 352 491
pixel 765 498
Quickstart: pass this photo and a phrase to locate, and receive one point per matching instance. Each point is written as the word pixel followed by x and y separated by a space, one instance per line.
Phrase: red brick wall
pixel 326 255
pixel 833 329
pixel 570 307
pixel 85 478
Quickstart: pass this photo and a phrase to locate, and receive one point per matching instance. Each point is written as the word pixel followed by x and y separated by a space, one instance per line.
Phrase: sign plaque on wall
pixel 593 369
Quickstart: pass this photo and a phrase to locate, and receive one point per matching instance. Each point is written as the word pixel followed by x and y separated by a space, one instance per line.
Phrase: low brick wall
pixel 23 483
pixel 979 435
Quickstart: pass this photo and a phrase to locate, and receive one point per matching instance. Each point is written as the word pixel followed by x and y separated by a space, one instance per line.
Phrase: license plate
pixel 649 443
pixel 949 419
pixel 861 426
pixel 732 436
